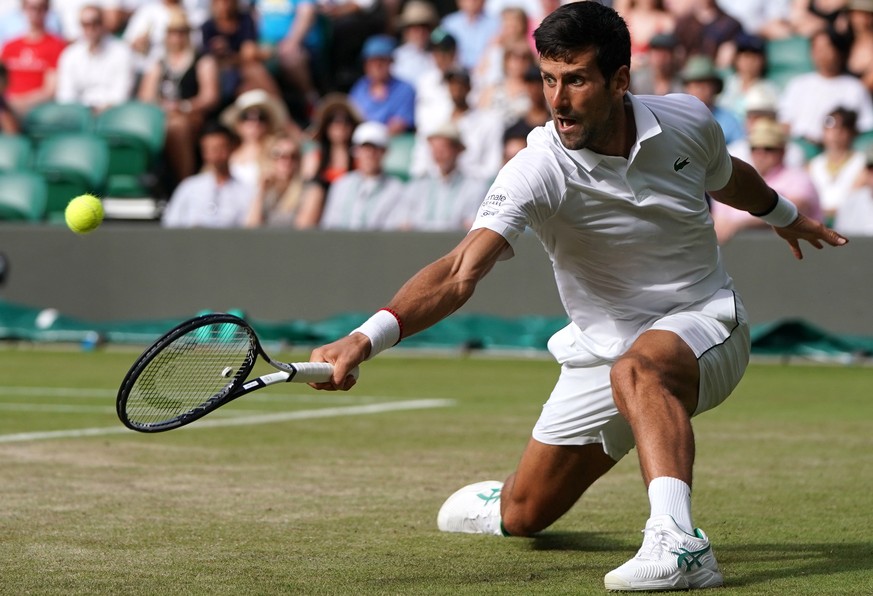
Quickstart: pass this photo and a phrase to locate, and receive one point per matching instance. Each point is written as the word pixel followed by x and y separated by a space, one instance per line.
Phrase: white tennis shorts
pixel 581 409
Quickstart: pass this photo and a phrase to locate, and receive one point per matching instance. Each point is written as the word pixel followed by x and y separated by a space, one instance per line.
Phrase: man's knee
pixel 628 375
pixel 521 517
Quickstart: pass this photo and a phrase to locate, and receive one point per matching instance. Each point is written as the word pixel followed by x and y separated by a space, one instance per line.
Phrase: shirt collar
pixel 647 127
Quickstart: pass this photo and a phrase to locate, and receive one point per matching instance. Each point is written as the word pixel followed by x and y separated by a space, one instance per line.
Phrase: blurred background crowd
pixel 395 114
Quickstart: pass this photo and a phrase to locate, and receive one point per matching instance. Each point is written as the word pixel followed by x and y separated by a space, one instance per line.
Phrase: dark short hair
pixel 517 130
pixel 842 117
pixel 579 26
pixel 214 127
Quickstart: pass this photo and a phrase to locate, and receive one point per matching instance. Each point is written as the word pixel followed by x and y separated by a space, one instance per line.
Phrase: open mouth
pixel 565 124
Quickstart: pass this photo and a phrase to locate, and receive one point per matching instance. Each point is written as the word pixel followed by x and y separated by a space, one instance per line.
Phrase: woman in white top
pixel 839 169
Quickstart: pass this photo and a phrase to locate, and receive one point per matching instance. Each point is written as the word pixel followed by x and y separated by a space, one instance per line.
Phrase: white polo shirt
pixel 630 240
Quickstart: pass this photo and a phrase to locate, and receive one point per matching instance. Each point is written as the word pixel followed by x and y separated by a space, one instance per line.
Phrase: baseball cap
pixel 378 46
pixel 442 40
pixel 371 133
pixel 761 99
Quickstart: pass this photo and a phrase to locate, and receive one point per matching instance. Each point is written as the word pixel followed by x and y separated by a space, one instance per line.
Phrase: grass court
pixel 290 491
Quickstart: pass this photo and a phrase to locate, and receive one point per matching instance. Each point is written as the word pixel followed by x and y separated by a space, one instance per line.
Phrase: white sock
pixel 671 496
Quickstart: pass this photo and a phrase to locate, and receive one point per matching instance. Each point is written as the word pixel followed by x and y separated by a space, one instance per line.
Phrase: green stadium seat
pixel 810 149
pixel 49 119
pixel 787 58
pixel 23 196
pixel 16 153
pixel 398 158
pixel 135 133
pixel 863 141
pixel 72 164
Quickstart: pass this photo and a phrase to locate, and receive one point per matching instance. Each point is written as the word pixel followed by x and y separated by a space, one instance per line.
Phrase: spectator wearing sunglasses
pixel 768 139
pixel 255 117
pixel 96 70
pixel 280 187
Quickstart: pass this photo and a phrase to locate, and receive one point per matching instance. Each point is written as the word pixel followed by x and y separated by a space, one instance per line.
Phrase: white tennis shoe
pixel 474 509
pixel 669 559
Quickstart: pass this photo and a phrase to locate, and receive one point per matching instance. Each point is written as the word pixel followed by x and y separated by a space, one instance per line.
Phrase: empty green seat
pixel 49 119
pixel 23 196
pixel 16 153
pixel 398 158
pixel 72 164
pixel 135 133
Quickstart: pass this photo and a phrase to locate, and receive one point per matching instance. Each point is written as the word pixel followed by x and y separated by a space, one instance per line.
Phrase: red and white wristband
pixel 782 214
pixel 383 329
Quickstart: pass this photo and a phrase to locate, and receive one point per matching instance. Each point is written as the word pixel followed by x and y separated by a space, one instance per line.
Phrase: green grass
pixel 347 505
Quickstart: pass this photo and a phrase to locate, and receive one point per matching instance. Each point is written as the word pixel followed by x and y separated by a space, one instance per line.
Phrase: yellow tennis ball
pixel 84 214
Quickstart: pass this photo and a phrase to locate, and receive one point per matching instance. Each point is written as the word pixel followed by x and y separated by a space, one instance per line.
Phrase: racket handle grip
pixel 315 372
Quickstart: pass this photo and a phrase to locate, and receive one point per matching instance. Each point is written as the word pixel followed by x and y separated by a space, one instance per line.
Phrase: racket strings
pixel 189 373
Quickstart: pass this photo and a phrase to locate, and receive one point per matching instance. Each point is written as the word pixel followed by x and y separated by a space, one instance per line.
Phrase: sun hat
pixel 275 110
pixel 418 12
pixel 767 133
pixel 448 130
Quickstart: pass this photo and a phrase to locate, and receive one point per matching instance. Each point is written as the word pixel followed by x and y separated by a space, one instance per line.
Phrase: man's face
pixel 459 90
pixel 766 158
pixel 378 69
pixel 35 11
pixel 216 149
pixel 702 90
pixel 368 159
pixel 91 21
pixel 445 153
pixel 584 106
pixel 825 56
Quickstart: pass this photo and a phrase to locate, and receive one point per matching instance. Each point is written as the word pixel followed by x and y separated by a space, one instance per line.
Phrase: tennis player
pixel 615 188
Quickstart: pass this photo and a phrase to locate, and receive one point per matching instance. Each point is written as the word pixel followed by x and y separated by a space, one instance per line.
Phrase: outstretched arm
pixel 747 191
pixel 429 296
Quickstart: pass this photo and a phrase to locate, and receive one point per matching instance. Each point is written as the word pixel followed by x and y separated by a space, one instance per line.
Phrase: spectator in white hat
pixel 412 57
pixel 768 139
pixel 447 199
pixel 763 103
pixel 365 198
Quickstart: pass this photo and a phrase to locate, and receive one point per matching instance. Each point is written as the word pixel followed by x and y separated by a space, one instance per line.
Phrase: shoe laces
pixel 656 542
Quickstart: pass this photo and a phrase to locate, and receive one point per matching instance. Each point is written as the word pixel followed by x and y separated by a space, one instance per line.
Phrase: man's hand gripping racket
pixel 199 366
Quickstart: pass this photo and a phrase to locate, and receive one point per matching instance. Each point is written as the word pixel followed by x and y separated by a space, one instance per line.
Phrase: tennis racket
pixel 197 367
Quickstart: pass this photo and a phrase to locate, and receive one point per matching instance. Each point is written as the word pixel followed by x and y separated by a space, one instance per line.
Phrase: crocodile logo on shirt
pixel 680 163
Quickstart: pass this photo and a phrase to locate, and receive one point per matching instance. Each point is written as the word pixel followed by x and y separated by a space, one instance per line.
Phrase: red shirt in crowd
pixel 28 60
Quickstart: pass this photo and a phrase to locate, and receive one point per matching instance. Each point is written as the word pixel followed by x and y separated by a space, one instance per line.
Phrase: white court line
pixel 419 404
pixel 112 393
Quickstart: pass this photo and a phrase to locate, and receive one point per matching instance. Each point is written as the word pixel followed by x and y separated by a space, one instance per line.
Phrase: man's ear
pixel 620 81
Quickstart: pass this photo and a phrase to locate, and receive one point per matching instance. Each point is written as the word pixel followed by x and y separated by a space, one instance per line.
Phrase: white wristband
pixel 382 329
pixel 782 214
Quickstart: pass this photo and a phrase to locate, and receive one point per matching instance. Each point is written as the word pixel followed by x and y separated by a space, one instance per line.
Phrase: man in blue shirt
pixel 379 96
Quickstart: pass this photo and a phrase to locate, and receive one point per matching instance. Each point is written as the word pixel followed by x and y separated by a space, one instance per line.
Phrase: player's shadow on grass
pixel 749 564
pixel 580 541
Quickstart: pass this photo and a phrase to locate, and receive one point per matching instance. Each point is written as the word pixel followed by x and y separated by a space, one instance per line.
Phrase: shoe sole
pixel 702 579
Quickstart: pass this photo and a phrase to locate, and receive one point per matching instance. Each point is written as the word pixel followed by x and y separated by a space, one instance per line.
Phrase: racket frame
pixel 237 387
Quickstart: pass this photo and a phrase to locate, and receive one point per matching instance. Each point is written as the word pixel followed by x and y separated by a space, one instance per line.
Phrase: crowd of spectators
pixel 283 112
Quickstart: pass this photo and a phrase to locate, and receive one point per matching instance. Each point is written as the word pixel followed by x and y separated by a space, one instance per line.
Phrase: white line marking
pixel 420 404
